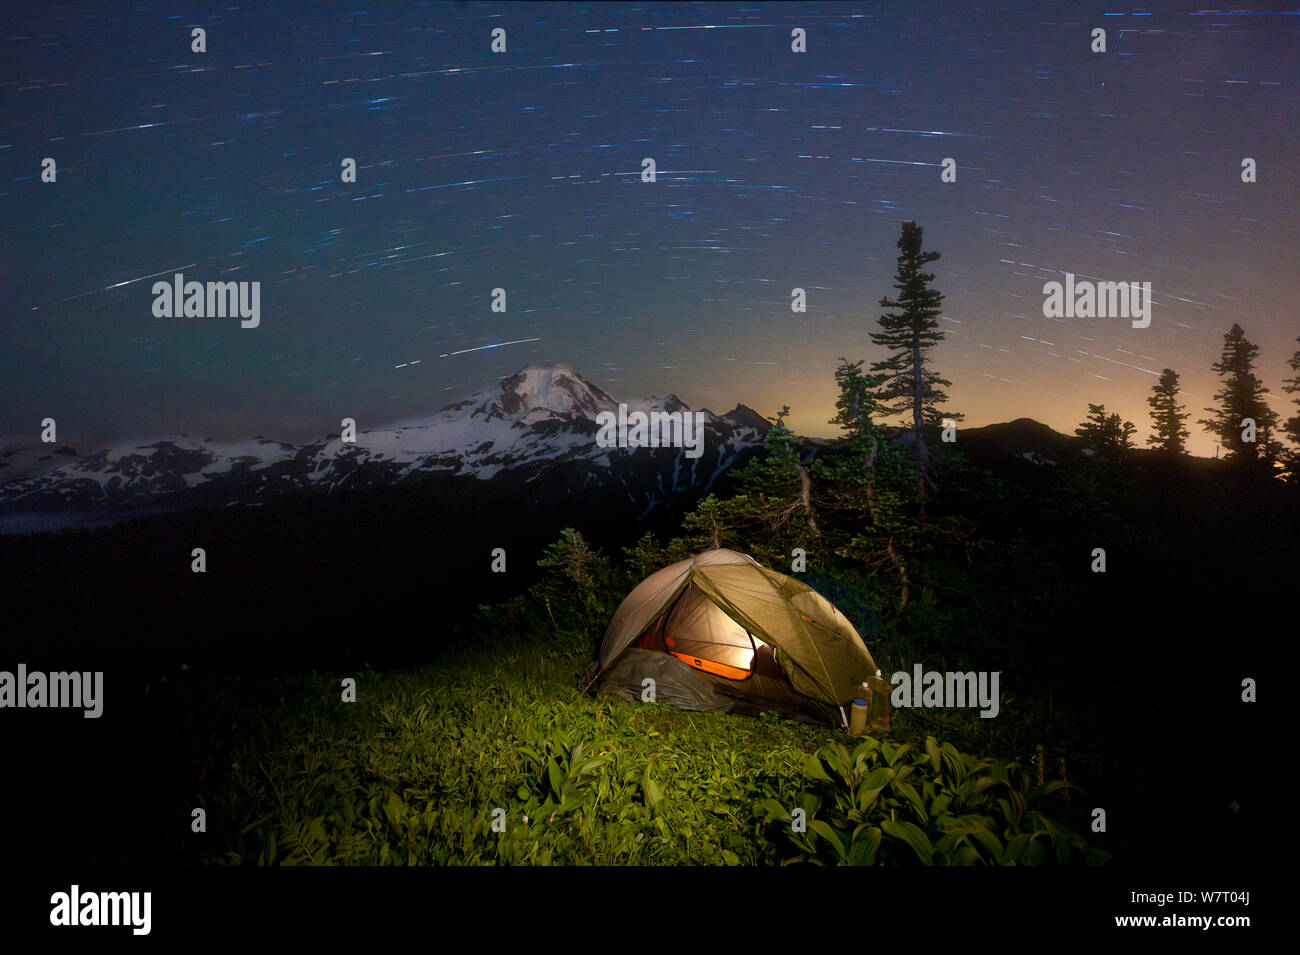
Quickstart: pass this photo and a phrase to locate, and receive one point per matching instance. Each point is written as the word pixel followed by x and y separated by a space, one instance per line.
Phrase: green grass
pixel 493 755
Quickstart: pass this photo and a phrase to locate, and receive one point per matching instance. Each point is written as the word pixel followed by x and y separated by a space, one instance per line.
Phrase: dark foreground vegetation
pixel 1120 690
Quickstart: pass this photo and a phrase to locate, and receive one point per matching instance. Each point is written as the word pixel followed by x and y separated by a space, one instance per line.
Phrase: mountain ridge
pixel 528 427
pixel 542 415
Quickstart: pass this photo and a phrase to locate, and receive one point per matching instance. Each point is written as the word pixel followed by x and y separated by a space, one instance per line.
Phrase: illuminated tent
pixel 719 631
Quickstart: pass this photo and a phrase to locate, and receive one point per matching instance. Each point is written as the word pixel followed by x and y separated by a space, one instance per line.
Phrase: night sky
pixel 521 170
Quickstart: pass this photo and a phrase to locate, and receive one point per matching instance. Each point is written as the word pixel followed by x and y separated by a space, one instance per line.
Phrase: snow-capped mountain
pixel 533 423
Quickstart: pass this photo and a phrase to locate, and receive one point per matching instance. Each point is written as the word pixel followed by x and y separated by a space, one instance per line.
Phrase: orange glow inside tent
pixel 697 632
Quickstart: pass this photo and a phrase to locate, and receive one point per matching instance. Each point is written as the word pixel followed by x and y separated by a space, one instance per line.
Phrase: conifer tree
pixel 1241 399
pixel 868 477
pixel 643 558
pixel 909 333
pixel 865 440
pixel 574 558
pixel 578 582
pixel 1109 435
pixel 1093 427
pixel 707 527
pixel 856 408
pixel 1167 415
pixel 777 499
pixel 1292 387
pixel 1119 435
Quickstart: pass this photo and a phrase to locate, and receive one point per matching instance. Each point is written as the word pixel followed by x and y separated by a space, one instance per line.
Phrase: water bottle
pixel 858 717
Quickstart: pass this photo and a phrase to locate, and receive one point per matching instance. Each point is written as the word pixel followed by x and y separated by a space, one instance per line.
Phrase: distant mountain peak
pixel 551 388
pixel 747 416
pixel 538 421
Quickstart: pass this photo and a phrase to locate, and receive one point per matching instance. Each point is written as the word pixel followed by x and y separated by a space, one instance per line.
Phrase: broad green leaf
pixel 772 810
pixel 592 764
pixel 827 832
pixel 1018 803
pixel 932 747
pixel 910 794
pixel 865 749
pixel 1054 786
pixel 809 802
pixel 950 839
pixel 394 809
pixel 837 759
pixel 870 787
pixel 1008 811
pixel 867 798
pixel 1015 850
pixel 911 834
pixel 865 846
pixel 988 840
pixel 812 768
pixel 653 794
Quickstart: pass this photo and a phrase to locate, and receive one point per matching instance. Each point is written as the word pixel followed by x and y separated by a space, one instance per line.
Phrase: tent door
pixel 701 635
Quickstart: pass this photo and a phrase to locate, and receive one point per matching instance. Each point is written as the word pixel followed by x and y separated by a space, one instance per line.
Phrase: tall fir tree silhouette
pixel 909 333
pixel 1292 427
pixel 1241 401
pixel 1167 415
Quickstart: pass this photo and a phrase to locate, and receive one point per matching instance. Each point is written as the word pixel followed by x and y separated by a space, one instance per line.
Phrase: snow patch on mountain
pixel 541 417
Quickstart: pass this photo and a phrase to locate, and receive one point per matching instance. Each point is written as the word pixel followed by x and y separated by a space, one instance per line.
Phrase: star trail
pixel 521 171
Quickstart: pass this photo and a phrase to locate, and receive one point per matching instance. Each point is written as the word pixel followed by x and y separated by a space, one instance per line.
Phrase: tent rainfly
pixel 719 631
